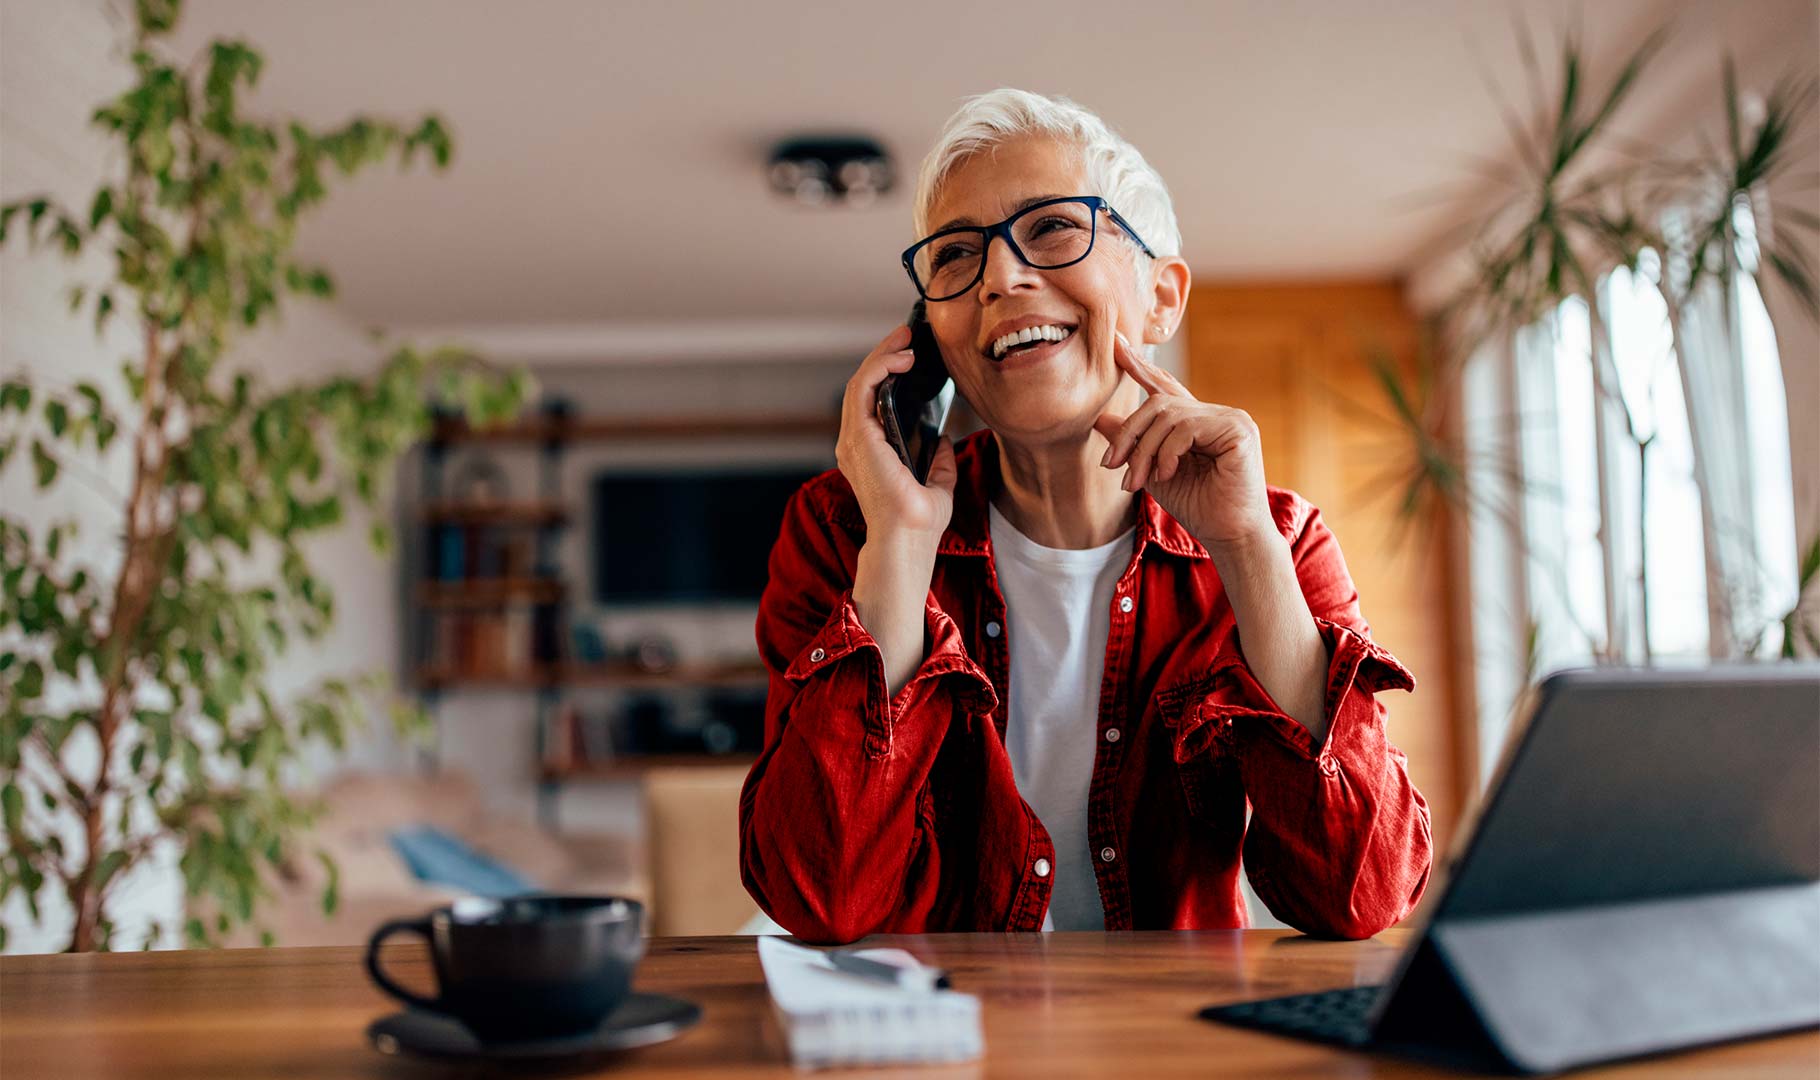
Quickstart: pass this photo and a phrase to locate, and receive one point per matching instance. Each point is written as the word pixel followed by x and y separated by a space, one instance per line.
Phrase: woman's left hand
pixel 1201 462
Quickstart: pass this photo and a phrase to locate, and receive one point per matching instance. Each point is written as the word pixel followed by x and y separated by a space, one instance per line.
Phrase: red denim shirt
pixel 872 813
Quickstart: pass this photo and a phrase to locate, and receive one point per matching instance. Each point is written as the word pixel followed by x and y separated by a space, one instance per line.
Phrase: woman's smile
pixel 1037 352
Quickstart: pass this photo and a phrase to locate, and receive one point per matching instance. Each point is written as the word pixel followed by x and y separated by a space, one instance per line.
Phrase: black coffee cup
pixel 531 967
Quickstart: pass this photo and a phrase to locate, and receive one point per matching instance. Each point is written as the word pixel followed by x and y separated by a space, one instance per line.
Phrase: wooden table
pixel 1055 1005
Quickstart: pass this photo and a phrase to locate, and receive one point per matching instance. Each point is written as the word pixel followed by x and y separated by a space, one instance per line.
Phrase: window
pixel 1587 548
pixel 1772 511
pixel 1612 524
pixel 1662 510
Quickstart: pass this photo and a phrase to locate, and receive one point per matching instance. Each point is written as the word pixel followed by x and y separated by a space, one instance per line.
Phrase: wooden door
pixel 1298 359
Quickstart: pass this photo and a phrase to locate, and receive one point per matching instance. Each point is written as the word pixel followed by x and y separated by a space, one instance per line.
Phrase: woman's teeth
pixel 1023 337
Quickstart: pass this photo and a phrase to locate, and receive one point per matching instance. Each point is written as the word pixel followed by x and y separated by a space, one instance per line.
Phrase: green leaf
pixel 57 415
pixel 433 135
pixel 45 464
pixel 157 16
pixel 1810 565
pixel 69 235
pixel 31 681
pixel 12 804
pixel 102 207
pixel 111 864
pixel 331 891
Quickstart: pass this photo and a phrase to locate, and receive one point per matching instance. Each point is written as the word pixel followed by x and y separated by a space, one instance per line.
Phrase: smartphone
pixel 913 406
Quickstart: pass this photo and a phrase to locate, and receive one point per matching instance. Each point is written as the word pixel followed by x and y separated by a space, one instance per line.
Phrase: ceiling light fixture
pixel 830 170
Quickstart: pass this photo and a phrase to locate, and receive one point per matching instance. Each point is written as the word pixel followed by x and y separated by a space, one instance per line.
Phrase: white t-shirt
pixel 1058 610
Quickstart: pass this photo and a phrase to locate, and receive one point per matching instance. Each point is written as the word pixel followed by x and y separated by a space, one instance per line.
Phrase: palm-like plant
pixel 1543 241
pixel 1571 209
pixel 1539 244
pixel 1742 173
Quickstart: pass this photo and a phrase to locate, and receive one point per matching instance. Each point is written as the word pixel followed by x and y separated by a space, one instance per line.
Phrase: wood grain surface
pixel 1056 1005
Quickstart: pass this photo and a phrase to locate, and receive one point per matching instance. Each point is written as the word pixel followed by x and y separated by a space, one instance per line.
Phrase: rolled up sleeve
pixel 1340 842
pixel 832 844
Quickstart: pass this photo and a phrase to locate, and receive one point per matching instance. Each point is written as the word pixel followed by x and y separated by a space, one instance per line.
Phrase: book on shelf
pixel 451 549
pixel 519 651
pixel 559 738
pixel 575 739
pixel 465 642
pixel 597 738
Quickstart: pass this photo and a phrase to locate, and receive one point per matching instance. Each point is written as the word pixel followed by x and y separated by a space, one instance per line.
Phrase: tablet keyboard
pixel 1333 1016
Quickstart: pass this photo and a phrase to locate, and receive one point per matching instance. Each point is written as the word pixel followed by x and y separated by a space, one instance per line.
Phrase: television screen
pixel 688 537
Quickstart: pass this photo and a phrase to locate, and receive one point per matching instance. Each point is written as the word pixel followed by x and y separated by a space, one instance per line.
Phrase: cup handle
pixel 400 926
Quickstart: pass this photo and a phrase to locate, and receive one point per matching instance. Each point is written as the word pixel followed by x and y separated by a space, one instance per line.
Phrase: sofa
pixel 361 809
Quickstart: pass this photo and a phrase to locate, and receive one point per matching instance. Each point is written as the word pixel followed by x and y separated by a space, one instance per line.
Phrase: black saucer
pixel 640 1020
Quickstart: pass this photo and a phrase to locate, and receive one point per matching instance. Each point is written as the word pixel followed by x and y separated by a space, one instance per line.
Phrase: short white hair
pixel 1115 170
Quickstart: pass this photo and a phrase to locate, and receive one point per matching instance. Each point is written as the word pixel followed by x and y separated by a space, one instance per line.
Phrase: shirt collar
pixel 978 480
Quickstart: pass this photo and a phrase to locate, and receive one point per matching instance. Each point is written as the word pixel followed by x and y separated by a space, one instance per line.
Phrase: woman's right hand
pixel 893 503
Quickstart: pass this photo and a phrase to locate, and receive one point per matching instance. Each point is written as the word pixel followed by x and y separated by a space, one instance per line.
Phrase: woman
pixel 1039 690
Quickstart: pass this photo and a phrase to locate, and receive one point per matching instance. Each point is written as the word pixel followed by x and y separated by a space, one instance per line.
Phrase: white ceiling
pixel 609 155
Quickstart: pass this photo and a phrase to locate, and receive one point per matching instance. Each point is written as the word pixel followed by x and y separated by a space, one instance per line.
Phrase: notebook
pixel 830 1017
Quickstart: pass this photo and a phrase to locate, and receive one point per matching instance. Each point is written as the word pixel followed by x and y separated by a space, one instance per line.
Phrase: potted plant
pixel 1579 201
pixel 135 700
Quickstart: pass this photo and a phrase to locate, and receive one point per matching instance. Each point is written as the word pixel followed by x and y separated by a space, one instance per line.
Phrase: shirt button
pixel 1112 734
pixel 992 629
pixel 1125 604
pixel 816 656
pixel 1107 854
pixel 1041 868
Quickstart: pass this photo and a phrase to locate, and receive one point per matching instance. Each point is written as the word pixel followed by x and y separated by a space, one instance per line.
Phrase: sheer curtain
pixel 1558 529
pixel 1738 416
pixel 1563 490
pixel 1664 511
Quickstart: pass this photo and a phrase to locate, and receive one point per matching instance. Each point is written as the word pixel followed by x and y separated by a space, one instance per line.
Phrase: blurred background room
pixel 489 378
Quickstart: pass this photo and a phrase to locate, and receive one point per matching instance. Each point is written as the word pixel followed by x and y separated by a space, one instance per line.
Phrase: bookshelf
pixel 489 609
pixel 498 514
pixel 607 676
pixel 634 767
pixel 544 429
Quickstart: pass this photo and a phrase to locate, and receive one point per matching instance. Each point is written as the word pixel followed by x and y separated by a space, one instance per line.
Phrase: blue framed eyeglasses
pixel 1047 236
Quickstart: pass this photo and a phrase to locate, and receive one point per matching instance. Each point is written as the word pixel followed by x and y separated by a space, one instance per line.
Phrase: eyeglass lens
pixel 1048 236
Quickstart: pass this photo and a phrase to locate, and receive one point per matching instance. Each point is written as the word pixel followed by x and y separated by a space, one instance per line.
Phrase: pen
pixel 920 978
